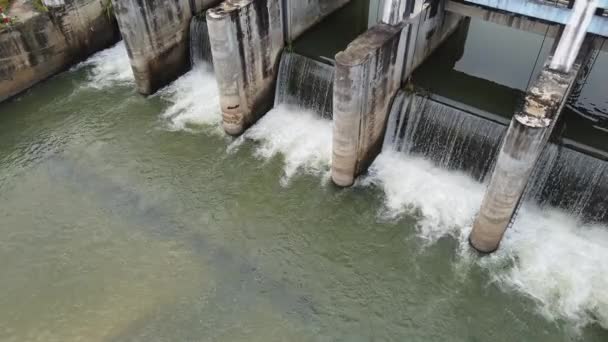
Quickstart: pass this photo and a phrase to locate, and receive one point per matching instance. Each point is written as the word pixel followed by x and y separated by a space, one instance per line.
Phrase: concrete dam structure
pixel 304 170
pixel 246 42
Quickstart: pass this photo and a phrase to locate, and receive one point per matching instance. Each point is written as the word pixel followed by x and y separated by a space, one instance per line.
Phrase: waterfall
pixel 200 46
pixel 448 136
pixel 455 139
pixel 573 181
pixel 306 84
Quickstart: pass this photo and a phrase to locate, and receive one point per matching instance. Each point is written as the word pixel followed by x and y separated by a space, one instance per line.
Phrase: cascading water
pixel 573 181
pixel 448 136
pixel 299 127
pixel 306 84
pixel 194 97
pixel 200 45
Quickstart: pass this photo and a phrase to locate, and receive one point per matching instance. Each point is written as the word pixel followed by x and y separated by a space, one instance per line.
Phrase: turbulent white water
pixel 555 260
pixel 109 67
pixel 194 100
pixel 444 201
pixel 302 138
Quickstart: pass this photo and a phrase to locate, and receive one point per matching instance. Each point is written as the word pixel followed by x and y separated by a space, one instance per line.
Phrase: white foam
pixel 560 263
pixel 109 67
pixel 194 101
pixel 547 255
pixel 445 201
pixel 301 137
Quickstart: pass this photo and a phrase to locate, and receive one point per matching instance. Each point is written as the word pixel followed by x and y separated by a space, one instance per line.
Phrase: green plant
pixel 39 6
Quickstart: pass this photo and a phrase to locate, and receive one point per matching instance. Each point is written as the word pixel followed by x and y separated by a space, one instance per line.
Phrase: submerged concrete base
pixel 41 44
pixel 527 136
pixel 246 41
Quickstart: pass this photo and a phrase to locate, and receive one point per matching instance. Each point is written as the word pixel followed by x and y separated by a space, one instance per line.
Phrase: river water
pixel 124 218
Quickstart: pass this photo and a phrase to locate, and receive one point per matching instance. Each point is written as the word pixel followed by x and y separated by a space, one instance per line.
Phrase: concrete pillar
pixel 156 36
pixel 301 15
pixel 368 74
pixel 527 135
pixel 246 41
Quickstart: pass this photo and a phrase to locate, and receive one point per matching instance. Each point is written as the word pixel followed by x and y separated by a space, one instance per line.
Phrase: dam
pixel 304 170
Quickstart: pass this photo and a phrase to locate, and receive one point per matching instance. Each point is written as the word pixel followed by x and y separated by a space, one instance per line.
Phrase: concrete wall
pixel 41 44
pixel 301 15
pixel 430 27
pixel 246 42
pixel 156 36
pixel 368 74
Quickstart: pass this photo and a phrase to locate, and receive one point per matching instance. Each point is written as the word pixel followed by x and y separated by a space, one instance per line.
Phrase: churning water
pixel 299 127
pixel 113 229
pixel 194 100
pixel 108 68
pixel 551 255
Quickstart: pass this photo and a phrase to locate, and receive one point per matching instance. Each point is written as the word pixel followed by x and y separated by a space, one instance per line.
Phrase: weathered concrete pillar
pixel 368 74
pixel 527 136
pixel 301 15
pixel 530 129
pixel 246 40
pixel 156 36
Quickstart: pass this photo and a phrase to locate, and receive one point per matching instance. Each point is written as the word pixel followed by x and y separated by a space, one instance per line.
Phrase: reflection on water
pixel 478 69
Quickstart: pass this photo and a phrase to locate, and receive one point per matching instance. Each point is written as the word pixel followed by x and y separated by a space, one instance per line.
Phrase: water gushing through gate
pixel 200 45
pixel 299 127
